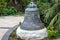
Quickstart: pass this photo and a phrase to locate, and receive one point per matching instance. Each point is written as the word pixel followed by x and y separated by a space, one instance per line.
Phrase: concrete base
pixel 31 35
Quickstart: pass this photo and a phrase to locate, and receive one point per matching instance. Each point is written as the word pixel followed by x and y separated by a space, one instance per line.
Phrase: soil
pixel 14 37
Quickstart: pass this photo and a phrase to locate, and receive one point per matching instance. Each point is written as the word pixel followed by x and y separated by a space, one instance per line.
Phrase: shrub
pixel 9 11
pixel 51 32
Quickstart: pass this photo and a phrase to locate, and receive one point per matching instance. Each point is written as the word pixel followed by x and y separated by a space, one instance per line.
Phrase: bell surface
pixel 32 19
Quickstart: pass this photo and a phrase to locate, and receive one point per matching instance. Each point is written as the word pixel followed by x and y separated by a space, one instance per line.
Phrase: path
pixel 8 22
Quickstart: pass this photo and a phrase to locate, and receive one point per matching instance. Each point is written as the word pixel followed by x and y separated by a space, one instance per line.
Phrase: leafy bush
pixel 50 10
pixel 52 18
pixel 3 3
pixel 8 11
pixel 51 32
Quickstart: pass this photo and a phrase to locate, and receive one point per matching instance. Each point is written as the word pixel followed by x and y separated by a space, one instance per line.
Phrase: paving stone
pixel 9 22
pixel 2 32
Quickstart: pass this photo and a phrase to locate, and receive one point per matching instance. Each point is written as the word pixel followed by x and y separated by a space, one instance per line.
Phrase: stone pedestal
pixel 31 35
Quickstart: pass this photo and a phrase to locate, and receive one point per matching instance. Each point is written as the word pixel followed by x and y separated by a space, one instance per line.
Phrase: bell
pixel 32 28
pixel 32 19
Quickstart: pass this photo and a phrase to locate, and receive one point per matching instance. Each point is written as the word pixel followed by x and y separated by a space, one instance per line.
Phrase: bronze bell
pixel 32 19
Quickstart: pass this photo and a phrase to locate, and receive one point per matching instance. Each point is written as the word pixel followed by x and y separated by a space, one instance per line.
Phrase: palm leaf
pixel 53 20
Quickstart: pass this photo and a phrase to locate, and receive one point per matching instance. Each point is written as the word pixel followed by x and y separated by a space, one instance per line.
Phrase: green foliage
pixel 53 20
pixel 51 32
pixel 4 11
pixel 51 16
pixel 43 6
pixel 54 29
pixel 57 24
pixel 8 11
pixel 3 3
pixel 51 12
pixel 24 3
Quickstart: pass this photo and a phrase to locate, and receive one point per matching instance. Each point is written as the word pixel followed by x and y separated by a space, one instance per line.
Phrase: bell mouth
pixel 31 30
pixel 32 25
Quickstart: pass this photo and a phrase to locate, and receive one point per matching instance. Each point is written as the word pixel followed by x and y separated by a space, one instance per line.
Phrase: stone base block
pixel 31 35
